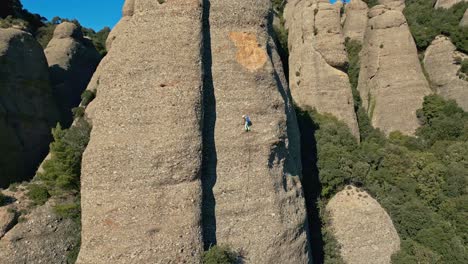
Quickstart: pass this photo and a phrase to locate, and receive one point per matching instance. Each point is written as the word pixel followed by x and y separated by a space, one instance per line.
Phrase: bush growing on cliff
pixel 426 23
pixel 38 194
pixel 63 170
pixel 220 255
pixel 421 182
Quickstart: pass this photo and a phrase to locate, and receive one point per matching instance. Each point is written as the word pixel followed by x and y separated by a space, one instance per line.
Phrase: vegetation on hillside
pixel 426 23
pixel 420 181
pixel 42 29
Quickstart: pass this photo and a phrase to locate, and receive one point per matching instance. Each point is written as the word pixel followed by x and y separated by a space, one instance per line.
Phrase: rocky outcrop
pixel 361 226
pixel 27 108
pixel 41 237
pixel 316 45
pixel 441 66
pixel 355 23
pixel 391 81
pixel 140 182
pixel 464 21
pixel 393 4
pixel 447 3
pixel 72 61
pixel 253 197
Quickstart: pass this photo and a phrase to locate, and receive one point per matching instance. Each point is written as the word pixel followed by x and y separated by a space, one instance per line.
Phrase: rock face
pixel 464 21
pixel 391 81
pixel 316 45
pixel 440 64
pixel 253 197
pixel 27 108
pixel 447 3
pixel 393 4
pixel 363 229
pixel 146 141
pixel 72 61
pixel 41 238
pixel 355 23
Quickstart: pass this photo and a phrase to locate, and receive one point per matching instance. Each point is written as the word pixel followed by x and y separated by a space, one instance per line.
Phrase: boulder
pixel 253 197
pixel 314 78
pixel 442 68
pixel 362 227
pixel 447 3
pixel 355 23
pixel 27 107
pixel 72 61
pixel 391 81
pixel 464 21
pixel 140 183
pixel 41 237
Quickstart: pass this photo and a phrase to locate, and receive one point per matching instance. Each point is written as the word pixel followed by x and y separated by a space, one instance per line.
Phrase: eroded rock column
pixel 259 205
pixel 72 61
pixel 391 81
pixel 140 183
pixel 27 108
pixel 442 68
pixel 318 58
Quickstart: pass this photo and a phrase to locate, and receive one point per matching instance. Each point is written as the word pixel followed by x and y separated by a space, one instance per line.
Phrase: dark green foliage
pixel 426 23
pixel 86 97
pixel 464 66
pixel 442 120
pixel 38 194
pixel 280 31
pixel 353 48
pixel 78 112
pixel 68 210
pixel 421 182
pixel 220 255
pixel 62 171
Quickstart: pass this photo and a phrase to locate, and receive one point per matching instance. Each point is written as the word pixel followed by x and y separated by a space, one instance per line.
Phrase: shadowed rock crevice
pixel 209 156
pixel 311 183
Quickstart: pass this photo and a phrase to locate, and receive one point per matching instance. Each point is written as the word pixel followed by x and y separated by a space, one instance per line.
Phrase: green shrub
pixel 38 194
pixel 371 3
pixel 464 66
pixel 426 23
pixel 68 210
pixel 78 112
pixel 62 172
pixel 86 97
pixel 220 255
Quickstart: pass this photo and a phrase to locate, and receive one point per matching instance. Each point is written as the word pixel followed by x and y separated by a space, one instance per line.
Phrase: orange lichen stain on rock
pixel 249 52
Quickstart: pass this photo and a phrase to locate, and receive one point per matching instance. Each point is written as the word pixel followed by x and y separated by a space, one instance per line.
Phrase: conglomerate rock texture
pixel 72 61
pixel 253 198
pixel 317 53
pixel 355 23
pixel 391 81
pixel 440 64
pixel 27 108
pixel 362 228
pixel 447 3
pixel 140 183
pixel 149 135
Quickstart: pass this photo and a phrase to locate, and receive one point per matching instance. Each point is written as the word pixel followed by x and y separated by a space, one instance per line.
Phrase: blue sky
pixel 95 14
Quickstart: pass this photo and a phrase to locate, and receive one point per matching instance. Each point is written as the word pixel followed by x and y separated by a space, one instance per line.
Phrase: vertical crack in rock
pixel 391 80
pixel 259 200
pixel 209 156
pixel 141 192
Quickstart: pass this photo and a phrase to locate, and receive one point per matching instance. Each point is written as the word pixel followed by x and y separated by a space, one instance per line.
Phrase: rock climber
pixel 247 123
